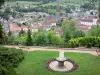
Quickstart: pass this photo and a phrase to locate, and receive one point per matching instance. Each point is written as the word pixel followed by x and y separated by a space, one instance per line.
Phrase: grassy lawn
pixel 33 64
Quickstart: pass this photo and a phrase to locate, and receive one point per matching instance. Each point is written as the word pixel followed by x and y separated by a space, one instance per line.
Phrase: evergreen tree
pixel 9 33
pixel 29 40
pixel 22 32
pixel 2 35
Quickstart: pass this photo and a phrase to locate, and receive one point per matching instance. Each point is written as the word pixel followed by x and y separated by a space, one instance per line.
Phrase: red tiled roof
pixel 83 26
pixel 15 27
pixel 88 19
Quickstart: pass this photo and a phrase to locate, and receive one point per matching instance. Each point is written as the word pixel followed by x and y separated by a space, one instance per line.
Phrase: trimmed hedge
pixel 9 59
pixel 87 41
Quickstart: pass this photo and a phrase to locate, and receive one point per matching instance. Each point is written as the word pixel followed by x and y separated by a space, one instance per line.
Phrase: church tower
pixel 57 11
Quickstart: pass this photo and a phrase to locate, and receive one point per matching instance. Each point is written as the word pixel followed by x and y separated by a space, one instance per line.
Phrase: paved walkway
pixel 77 50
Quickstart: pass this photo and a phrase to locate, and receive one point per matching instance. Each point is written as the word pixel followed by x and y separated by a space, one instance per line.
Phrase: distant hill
pixel 44 1
pixel 47 1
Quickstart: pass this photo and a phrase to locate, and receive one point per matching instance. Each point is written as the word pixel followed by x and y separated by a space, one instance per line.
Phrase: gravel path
pixel 77 50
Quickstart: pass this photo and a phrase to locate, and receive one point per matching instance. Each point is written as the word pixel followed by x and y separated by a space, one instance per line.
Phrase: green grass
pixel 33 64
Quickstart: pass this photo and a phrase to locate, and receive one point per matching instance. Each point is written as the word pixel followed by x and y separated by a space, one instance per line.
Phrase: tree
pixel 59 23
pixel 66 35
pixel 9 33
pixel 94 31
pixel 1 2
pixel 41 38
pixel 53 39
pixel 2 35
pixel 87 6
pixel 29 40
pixel 78 33
pixel 49 35
pixel 93 2
pixel 68 27
pixel 22 32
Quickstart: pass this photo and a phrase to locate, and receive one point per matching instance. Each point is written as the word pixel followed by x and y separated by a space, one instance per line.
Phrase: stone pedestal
pixel 61 61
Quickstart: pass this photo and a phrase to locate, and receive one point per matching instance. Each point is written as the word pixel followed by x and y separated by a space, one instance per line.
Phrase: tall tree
pixel 93 2
pixel 2 35
pixel 68 27
pixel 29 40
pixel 1 2
pixel 22 32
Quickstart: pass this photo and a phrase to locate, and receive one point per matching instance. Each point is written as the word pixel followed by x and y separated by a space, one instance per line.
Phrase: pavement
pixel 95 52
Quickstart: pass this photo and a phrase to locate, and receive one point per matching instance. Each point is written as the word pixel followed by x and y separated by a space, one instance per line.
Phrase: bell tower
pixel 57 10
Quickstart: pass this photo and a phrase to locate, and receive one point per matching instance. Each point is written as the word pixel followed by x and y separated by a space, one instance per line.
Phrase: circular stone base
pixel 69 66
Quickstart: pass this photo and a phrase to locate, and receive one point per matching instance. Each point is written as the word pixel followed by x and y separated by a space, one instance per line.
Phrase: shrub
pixel 9 58
pixel 41 38
pixel 87 41
pixel 10 40
pixel 20 40
pixel 53 39
pixel 7 71
pixel 56 40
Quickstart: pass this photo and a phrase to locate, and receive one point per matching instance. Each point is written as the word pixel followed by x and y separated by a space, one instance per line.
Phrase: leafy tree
pixel 93 2
pixel 66 35
pixel 41 38
pixel 53 39
pixel 7 10
pixel 68 27
pixel 29 40
pixel 2 35
pixel 1 2
pixel 87 6
pixel 78 33
pixel 67 10
pixel 49 35
pixel 94 31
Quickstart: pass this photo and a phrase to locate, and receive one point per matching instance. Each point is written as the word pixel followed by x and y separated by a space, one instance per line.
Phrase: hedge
pixel 87 41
